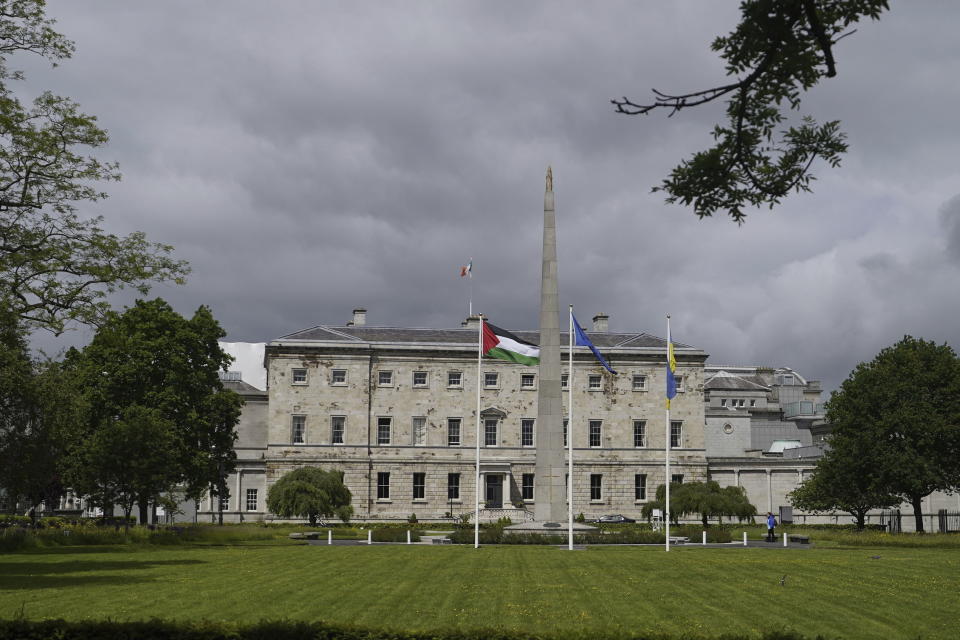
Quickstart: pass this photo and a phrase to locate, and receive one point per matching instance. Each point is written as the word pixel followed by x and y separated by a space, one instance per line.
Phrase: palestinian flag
pixel 503 345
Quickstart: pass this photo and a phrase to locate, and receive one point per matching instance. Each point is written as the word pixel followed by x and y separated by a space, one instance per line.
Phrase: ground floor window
pixel 640 486
pixel 453 486
pixel 251 499
pixel 225 503
pixel 419 486
pixel 526 486
pixel 383 485
pixel 676 478
pixel 596 486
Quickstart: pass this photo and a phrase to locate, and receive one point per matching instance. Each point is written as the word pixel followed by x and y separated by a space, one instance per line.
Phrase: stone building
pixel 395 410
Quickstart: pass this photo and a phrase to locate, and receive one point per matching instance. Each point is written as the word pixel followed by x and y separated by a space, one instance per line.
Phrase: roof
pixel 725 381
pixel 462 337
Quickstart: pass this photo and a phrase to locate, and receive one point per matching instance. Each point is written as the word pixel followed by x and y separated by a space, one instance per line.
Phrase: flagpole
pixel 476 513
pixel 570 438
pixel 666 506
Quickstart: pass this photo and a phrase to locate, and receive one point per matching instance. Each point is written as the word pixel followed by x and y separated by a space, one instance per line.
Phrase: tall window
pixel 526 486
pixel 337 425
pixel 565 422
pixel 251 499
pixel 595 430
pixel 640 486
pixel 676 434
pixel 676 478
pixel 453 486
pixel 564 380
pixel 526 432
pixel 594 383
pixel 225 502
pixel 491 380
pixel 299 376
pixel 527 381
pixel 383 430
pixel 383 485
pixel 490 432
pixel 679 381
pixel 453 432
pixel 385 378
pixel 419 486
pixel 639 382
pixel 639 433
pixel 299 430
pixel 596 486
pixel 419 431
pixel 338 376
pixel 454 379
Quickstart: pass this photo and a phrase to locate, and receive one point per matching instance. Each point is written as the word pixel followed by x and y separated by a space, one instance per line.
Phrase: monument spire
pixel 549 482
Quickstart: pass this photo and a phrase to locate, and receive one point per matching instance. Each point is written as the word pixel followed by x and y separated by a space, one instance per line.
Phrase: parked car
pixel 615 518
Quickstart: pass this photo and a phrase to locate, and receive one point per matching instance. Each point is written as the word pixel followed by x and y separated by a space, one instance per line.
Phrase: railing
pixel 492 515
pixel 802 408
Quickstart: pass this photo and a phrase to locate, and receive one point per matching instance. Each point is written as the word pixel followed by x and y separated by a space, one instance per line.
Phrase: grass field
pixel 837 592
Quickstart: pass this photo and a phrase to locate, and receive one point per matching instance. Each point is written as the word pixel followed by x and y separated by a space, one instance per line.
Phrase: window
pixel 676 434
pixel 383 485
pixel 565 381
pixel 420 379
pixel 565 421
pixel 639 433
pixel 453 486
pixel 299 430
pixel 679 381
pixel 594 383
pixel 596 486
pixel 491 380
pixel 225 502
pixel 527 381
pixel 453 432
pixel 639 382
pixel 723 402
pixel 338 377
pixel 526 486
pixel 595 428
pixel 337 424
pixel 640 486
pixel 454 378
pixel 490 432
pixel 419 431
pixel 385 378
pixel 251 499
pixel 676 478
pixel 383 430
pixel 753 403
pixel 299 376
pixel 419 486
pixel 526 432
pixel 741 402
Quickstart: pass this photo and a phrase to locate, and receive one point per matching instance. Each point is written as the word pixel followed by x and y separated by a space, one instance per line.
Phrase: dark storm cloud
pixel 311 157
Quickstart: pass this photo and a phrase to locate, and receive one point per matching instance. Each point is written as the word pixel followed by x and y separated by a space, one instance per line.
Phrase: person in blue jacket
pixel 771 523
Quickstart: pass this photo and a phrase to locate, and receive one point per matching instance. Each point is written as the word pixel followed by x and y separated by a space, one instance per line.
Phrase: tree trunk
pixel 703 518
pixel 126 516
pixel 917 502
pixel 860 516
pixel 142 508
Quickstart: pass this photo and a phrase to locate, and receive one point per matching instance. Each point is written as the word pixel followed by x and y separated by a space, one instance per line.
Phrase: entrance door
pixel 494 491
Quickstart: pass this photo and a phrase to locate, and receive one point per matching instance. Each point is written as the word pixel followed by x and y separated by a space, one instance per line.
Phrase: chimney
pixel 472 322
pixel 359 317
pixel 600 323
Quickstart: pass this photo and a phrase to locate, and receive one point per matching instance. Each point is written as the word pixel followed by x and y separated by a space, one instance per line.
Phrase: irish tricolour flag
pixel 498 343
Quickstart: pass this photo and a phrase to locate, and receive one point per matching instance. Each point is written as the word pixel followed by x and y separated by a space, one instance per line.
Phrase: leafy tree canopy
pixel 708 499
pixel 56 266
pixel 780 49
pixel 901 413
pixel 310 492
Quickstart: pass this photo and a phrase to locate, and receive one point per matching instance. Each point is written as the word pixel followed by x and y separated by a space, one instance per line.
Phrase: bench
pixel 307 535
pixel 679 540
pixel 442 541
pixel 799 539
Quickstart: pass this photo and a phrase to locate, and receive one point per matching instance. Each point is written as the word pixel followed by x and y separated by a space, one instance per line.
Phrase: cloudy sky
pixel 308 157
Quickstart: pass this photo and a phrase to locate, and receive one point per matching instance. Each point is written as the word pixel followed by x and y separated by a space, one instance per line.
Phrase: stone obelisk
pixel 549 482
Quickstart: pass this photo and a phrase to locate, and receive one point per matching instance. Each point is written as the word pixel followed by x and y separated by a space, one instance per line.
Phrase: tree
pixel 901 413
pixel 779 49
pixel 843 480
pixel 310 492
pixel 152 358
pixel 705 498
pixel 56 266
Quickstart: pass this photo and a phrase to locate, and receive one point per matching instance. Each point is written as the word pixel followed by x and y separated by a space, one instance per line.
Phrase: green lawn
pixel 905 593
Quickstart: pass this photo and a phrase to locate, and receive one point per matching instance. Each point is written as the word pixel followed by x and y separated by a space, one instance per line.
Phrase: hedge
pixel 162 630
